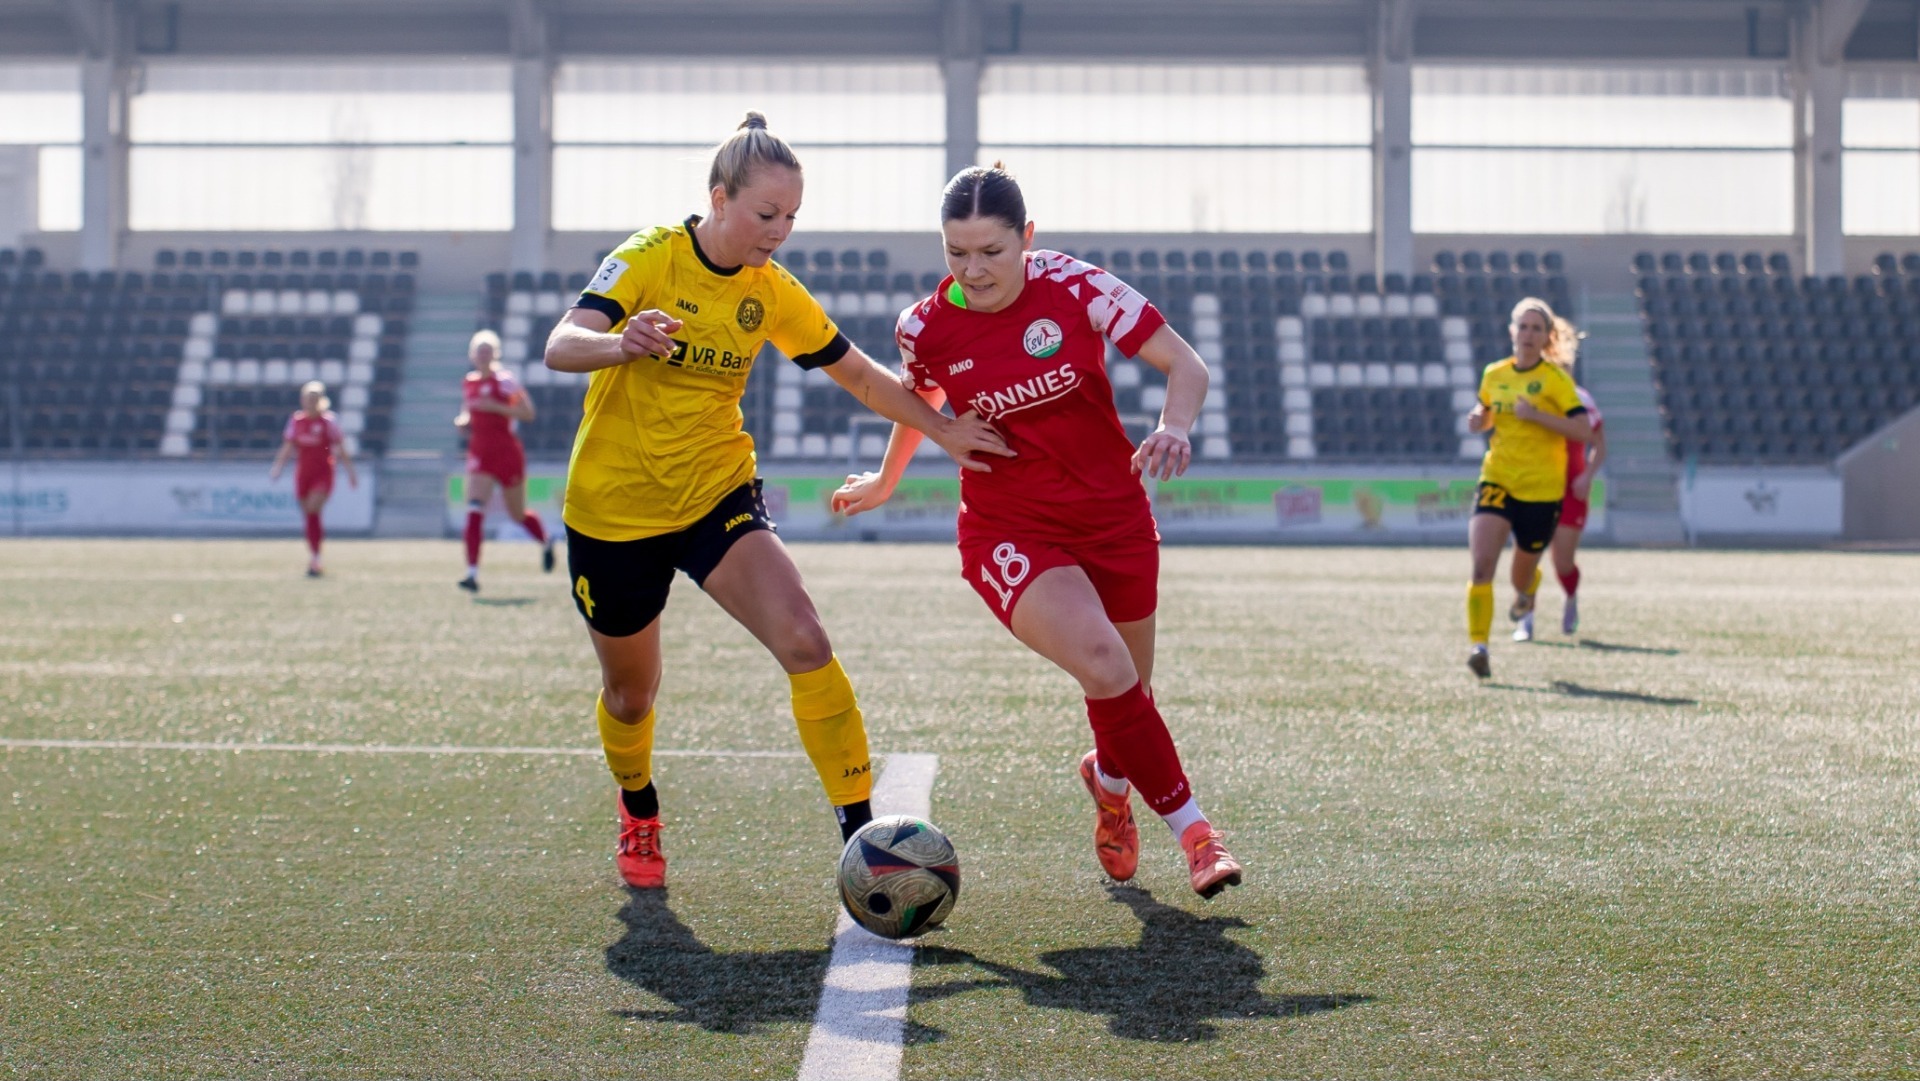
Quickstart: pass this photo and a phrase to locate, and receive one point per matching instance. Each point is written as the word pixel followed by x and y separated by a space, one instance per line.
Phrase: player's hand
pixel 460 421
pixel 1165 454
pixel 273 475
pixel 1526 410
pixel 646 334
pixel 1480 419
pixel 353 480
pixel 969 434
pixel 1582 486
pixel 861 492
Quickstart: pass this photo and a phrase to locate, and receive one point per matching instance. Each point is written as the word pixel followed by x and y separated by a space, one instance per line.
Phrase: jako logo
pixel 687 307
pixel 956 369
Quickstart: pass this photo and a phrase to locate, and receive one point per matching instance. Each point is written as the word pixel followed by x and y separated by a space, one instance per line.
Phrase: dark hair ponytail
pixel 984 192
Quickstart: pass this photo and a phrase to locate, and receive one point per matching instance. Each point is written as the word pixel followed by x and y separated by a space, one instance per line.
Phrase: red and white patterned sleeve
pixel 293 427
pixel 1114 308
pixel 906 334
pixel 509 386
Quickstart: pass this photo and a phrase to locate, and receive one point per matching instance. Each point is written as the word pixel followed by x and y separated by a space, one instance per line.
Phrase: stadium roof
pixel 1510 31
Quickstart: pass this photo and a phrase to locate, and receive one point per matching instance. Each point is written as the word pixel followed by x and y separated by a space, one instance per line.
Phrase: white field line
pixel 357 748
pixel 858 1030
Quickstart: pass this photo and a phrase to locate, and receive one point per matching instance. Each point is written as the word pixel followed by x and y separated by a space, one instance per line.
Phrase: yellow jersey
pixel 661 439
pixel 1529 460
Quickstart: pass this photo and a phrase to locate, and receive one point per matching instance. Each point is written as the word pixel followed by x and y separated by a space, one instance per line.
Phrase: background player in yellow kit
pixel 662 473
pixel 1531 409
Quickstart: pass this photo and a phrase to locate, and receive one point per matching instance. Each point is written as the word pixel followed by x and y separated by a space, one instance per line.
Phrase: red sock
pixel 531 523
pixel 475 519
pixel 315 534
pixel 1569 581
pixel 1129 732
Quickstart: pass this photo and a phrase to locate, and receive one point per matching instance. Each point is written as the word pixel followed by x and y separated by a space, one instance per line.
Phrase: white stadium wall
pixel 1774 503
pixel 134 498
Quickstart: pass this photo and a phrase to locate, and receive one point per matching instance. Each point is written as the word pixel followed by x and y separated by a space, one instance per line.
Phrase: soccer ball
pixel 899 876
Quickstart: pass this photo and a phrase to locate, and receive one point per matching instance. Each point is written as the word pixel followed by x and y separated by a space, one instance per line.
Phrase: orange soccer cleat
pixel 1116 840
pixel 1212 868
pixel 638 856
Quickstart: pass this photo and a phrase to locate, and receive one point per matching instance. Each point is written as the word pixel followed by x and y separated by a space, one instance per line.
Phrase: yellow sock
pixel 828 716
pixel 1534 586
pixel 629 748
pixel 1479 612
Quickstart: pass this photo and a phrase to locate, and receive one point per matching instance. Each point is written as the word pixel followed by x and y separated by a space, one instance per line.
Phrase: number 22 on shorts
pixel 1013 570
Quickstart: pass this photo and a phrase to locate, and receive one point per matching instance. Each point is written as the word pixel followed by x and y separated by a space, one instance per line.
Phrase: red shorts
pixel 506 462
pixel 1125 573
pixel 307 481
pixel 1573 513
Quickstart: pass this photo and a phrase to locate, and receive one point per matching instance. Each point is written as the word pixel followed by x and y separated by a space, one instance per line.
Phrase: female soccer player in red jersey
pixel 491 400
pixel 1060 541
pixel 315 435
pixel 1583 464
pixel 662 474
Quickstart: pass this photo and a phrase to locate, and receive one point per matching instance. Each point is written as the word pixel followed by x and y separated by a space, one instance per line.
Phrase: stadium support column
pixel 962 47
pixel 105 75
pixel 1391 74
pixel 1392 137
pixel 1820 91
pixel 532 138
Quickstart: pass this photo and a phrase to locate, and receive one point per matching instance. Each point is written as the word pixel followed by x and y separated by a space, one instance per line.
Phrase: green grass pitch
pixel 1682 844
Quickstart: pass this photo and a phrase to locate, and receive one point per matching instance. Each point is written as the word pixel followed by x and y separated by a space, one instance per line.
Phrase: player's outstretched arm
pixel 1168 451
pixel 346 461
pixel 280 459
pixel 580 341
pixel 881 391
pixel 865 491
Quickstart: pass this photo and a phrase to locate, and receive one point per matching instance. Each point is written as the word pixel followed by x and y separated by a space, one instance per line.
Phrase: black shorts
pixel 1533 523
pixel 621 586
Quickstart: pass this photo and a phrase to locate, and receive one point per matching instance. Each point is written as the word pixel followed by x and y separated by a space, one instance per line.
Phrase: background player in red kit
pixel 1060 540
pixel 491 399
pixel 315 435
pixel 1583 464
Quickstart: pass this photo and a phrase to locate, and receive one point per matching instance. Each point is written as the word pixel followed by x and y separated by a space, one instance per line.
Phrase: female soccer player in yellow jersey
pixel 1532 410
pixel 662 473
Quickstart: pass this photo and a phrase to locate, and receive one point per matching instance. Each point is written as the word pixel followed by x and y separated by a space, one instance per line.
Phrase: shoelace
pixel 639 839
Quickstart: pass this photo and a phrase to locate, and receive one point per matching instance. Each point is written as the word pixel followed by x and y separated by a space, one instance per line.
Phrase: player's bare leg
pixel 758 585
pixel 514 496
pixel 480 488
pixel 1060 617
pixel 1566 544
pixel 1486 538
pixel 630 670
pixel 310 509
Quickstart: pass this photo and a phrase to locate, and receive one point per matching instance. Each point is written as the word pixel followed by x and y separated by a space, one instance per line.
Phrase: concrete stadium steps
pixel 424 445
pixel 1643 503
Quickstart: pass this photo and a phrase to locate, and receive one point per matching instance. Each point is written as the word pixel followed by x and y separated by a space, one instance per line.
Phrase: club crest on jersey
pixel 1043 338
pixel 1533 387
pixel 749 314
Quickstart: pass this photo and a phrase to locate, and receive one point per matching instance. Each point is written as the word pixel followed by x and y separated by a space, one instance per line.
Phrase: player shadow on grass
pixel 506 602
pixel 1568 689
pixel 1184 975
pixel 1604 647
pixel 721 992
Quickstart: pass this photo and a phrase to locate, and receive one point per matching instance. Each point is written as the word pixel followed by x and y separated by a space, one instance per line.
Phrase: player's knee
pixel 805 647
pixel 1105 669
pixel 628 703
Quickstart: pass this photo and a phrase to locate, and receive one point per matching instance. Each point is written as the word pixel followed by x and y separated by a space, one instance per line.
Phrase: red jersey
pixel 486 431
pixel 1577 452
pixel 315 437
pixel 1037 370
